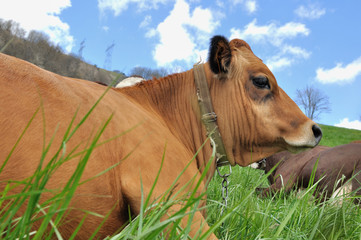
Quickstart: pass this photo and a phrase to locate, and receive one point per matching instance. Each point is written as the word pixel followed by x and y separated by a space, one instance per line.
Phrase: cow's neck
pixel 174 99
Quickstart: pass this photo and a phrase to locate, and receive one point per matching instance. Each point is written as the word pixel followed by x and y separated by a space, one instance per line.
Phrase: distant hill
pixel 37 49
pixel 334 136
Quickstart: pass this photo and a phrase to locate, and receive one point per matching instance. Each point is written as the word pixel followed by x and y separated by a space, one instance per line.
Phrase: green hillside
pixel 333 136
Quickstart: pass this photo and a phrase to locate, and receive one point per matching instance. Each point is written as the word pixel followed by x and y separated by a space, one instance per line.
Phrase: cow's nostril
pixel 317 133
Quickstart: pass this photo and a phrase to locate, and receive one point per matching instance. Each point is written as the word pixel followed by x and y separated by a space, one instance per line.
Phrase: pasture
pixel 247 215
pixel 335 136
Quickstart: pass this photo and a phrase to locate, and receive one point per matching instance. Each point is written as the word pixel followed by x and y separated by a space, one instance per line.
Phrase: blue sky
pixel 305 43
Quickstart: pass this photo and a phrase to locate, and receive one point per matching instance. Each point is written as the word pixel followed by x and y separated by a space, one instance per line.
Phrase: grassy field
pixel 334 136
pixel 247 216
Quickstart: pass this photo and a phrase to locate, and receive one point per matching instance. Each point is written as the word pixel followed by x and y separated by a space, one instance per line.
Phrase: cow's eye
pixel 261 82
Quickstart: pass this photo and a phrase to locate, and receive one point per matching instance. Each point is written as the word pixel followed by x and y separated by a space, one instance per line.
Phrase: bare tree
pixel 313 101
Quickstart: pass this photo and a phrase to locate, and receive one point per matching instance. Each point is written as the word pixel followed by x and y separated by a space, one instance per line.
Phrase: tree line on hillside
pixel 35 47
pixel 148 73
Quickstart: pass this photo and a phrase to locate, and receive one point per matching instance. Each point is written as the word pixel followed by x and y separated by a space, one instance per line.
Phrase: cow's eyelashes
pixel 261 82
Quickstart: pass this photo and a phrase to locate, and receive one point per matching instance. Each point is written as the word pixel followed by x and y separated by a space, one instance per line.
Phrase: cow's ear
pixel 219 55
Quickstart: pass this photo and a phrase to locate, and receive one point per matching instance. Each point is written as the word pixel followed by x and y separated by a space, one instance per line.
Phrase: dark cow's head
pixel 255 116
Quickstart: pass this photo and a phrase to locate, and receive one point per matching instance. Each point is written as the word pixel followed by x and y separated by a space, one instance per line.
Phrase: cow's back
pixel 335 163
pixel 290 164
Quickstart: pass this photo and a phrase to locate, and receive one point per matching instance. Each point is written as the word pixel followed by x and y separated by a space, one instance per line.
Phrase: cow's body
pixel 334 168
pixel 163 116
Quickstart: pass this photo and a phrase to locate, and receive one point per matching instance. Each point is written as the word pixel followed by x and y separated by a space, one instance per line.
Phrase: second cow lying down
pixel 294 171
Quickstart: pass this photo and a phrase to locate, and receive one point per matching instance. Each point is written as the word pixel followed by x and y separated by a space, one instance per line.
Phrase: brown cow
pixel 335 167
pixel 256 119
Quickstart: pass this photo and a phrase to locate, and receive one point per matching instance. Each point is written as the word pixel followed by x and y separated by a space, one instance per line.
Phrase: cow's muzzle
pixel 317 133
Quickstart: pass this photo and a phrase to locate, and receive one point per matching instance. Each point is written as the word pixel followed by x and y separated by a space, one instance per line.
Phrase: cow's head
pixel 255 116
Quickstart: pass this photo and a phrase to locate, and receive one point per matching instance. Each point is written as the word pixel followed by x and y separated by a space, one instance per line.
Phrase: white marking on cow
pixel 130 81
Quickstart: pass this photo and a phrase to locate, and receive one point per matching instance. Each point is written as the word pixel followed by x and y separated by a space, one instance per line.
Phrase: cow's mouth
pixel 282 145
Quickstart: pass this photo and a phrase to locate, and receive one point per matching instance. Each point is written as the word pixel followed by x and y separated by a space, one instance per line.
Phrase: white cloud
pixel 249 5
pixel 118 6
pixel 296 51
pixel 43 17
pixel 277 36
pixel 291 30
pixel 271 33
pixel 340 73
pixel 252 32
pixel 346 123
pixel 287 56
pixel 146 21
pixel 310 12
pixel 202 55
pixel 183 34
pixel 278 62
pixel 220 3
pixel 151 33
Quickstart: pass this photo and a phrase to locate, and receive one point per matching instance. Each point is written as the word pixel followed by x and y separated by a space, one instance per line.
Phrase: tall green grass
pixel 283 216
